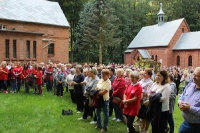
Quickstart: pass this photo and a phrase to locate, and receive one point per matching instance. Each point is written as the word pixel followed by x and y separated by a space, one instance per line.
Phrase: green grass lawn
pixel 30 113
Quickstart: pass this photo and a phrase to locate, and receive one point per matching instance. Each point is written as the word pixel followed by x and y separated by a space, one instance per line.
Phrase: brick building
pixel 170 43
pixel 33 30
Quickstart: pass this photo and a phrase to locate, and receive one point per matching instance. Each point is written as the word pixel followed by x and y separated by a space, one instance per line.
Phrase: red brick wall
pixel 59 36
pixel 127 58
pixel 169 56
pixel 184 58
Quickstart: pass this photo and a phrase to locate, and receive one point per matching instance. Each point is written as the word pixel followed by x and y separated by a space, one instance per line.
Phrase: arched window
pixel 190 60
pixel 152 57
pixel 178 60
pixel 156 58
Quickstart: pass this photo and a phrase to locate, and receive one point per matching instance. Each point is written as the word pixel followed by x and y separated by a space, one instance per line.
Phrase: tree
pixel 96 30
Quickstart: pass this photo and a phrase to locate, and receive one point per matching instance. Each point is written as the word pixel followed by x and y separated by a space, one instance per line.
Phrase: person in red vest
pixel 38 77
pixel 25 75
pixel 13 78
pixel 18 70
pixel 4 76
pixel 34 72
pixel 49 77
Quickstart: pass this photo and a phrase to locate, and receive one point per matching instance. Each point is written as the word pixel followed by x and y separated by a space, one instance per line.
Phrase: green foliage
pixel 101 26
pixel 96 33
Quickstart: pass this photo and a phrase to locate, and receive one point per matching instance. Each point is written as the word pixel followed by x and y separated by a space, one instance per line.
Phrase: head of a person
pixel 39 68
pixel 73 70
pixel 18 64
pixel 50 64
pixel 93 72
pixel 3 64
pixel 162 77
pixel 171 77
pixel 25 66
pixel 196 76
pixel 120 72
pixel 111 70
pixel 105 74
pixel 141 73
pixel 134 76
pixel 147 73
pixel 128 71
pixel 185 74
pixel 85 72
pixel 68 66
pixel 79 69
pixel 99 69
pixel 176 71
pixel 63 68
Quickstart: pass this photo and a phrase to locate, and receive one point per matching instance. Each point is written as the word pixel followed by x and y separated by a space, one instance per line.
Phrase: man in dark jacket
pixel 177 78
pixel 112 77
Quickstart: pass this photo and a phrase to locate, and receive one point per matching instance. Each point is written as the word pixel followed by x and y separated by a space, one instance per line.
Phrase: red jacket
pixel 39 78
pixel 119 85
pixel 25 73
pixel 4 76
pixel 49 73
pixel 19 70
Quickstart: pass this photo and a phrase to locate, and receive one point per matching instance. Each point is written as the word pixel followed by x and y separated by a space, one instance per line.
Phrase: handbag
pixel 116 100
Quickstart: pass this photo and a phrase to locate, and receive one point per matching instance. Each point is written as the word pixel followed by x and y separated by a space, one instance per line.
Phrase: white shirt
pixel 104 85
pixel 69 79
pixel 165 90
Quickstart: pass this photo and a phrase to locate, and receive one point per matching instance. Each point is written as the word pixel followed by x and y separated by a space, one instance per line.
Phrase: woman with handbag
pixel 118 84
pixel 161 106
pixel 91 85
pixel 146 84
pixel 131 100
pixel 103 87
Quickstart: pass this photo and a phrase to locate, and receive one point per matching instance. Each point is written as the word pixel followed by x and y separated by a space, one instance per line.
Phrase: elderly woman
pixel 78 89
pixel 160 93
pixel 131 100
pixel 146 84
pixel 127 77
pixel 91 85
pixel 18 74
pixel 118 84
pixel 103 87
pixel 60 80
pixel 69 81
pixel 4 76
pixel 49 77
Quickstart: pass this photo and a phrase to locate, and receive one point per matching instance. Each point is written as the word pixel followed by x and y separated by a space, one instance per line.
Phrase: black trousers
pixel 88 110
pixel 161 125
pixel 79 101
pixel 59 90
pixel 110 107
pixel 72 95
pixel 130 120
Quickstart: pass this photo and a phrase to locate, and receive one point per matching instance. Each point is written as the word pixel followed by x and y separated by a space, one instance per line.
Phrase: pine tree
pixel 97 29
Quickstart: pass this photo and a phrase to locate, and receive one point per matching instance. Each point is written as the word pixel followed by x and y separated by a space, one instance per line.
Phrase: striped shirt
pixel 146 85
pixel 191 95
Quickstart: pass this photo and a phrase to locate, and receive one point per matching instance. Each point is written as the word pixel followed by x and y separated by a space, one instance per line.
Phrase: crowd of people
pixel 129 91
